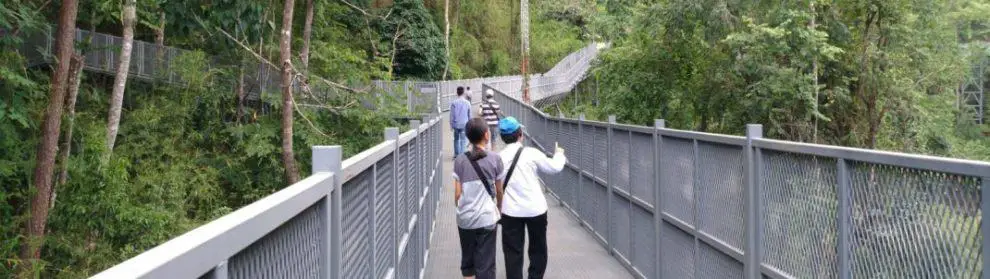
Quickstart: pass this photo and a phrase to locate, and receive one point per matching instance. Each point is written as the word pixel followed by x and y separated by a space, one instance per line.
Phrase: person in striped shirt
pixel 491 113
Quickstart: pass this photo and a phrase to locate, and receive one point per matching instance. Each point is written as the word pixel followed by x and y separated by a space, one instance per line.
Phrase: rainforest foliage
pixel 861 73
pixel 189 153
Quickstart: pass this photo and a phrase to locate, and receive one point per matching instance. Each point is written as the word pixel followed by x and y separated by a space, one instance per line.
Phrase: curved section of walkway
pixel 574 253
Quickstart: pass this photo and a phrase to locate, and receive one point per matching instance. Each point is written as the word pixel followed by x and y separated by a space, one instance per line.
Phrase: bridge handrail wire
pixel 804 210
pixel 353 218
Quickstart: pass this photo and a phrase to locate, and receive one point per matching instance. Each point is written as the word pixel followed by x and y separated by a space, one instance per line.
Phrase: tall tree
pixel 43 171
pixel 75 79
pixel 524 33
pixel 446 36
pixel 120 81
pixel 285 45
pixel 307 34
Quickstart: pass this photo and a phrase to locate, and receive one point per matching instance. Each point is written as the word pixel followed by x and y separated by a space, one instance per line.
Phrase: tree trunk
pixel 524 32
pixel 446 36
pixel 285 44
pixel 240 96
pixel 160 41
pixel 75 78
pixel 43 171
pixel 307 33
pixel 814 71
pixel 120 81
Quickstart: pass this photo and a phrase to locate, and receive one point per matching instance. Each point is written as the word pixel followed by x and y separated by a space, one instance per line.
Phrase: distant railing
pixel 370 216
pixel 681 204
pixel 151 62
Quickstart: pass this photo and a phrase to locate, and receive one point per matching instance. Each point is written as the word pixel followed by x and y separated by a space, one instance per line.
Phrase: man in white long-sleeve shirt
pixel 524 207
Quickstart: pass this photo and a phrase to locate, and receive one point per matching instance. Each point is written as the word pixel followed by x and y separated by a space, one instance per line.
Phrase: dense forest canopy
pixel 184 154
pixel 861 73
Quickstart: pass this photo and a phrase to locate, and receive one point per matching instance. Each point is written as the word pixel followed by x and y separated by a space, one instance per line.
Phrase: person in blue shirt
pixel 460 113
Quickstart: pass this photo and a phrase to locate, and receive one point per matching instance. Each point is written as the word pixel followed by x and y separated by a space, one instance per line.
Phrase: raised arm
pixel 553 164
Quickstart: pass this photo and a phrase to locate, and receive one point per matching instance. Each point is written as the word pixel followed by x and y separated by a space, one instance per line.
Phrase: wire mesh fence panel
pixel 290 251
pixel 677 248
pixel 910 223
pixel 641 167
pixel 618 160
pixel 644 252
pixel 384 223
pixel 411 184
pixel 712 263
pixel 799 214
pixel 677 171
pixel 721 192
pixel 597 201
pixel 357 225
pixel 401 196
pixel 599 149
pixel 620 234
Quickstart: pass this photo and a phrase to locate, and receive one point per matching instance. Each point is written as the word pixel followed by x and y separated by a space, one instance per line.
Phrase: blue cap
pixel 508 125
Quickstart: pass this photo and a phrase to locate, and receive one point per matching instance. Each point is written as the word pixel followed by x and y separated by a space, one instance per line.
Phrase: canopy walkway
pixel 661 203
pixel 150 62
pixel 634 201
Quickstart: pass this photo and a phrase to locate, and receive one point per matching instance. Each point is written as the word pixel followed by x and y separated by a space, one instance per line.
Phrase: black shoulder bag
pixel 481 175
pixel 512 167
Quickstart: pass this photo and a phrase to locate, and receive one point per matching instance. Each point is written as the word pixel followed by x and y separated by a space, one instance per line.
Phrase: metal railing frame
pixel 752 146
pixel 205 250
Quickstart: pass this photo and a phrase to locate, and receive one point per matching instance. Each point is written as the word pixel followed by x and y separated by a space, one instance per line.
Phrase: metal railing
pixel 151 62
pixel 681 204
pixel 546 87
pixel 370 216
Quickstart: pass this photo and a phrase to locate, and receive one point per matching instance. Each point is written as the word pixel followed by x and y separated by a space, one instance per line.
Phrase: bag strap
pixel 484 179
pixel 512 167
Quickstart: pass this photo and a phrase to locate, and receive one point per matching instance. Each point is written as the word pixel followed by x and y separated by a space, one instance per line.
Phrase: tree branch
pixel 295 71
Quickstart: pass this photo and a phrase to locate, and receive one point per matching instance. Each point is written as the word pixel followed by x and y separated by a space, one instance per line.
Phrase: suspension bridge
pixel 633 202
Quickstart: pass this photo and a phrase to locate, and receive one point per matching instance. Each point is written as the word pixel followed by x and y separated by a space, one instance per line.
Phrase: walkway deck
pixel 574 253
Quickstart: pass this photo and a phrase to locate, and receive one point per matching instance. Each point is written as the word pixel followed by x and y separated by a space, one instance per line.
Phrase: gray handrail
pixel 351 218
pixel 677 204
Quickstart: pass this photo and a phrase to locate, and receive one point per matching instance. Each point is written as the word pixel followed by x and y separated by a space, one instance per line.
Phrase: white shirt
pixel 524 193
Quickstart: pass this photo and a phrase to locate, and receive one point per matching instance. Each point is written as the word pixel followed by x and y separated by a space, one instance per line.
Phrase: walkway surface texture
pixel 574 253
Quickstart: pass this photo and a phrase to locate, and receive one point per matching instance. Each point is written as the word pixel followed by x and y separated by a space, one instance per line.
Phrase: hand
pixel 557 149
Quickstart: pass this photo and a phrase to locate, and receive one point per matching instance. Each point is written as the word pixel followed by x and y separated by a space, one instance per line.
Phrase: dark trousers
pixel 477 252
pixel 514 231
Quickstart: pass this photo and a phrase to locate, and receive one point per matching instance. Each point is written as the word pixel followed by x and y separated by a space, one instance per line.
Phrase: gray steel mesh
pixel 799 214
pixel 356 259
pixel 677 178
pixel 400 182
pixel 597 202
pixel 568 183
pixel 618 161
pixel 290 251
pixel 677 248
pixel 600 151
pixel 644 252
pixel 715 264
pixel 620 226
pixel 642 170
pixel 722 190
pixel 412 179
pixel 910 223
pixel 385 224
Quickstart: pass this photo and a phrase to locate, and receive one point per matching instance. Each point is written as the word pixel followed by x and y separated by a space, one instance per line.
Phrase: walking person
pixel 491 112
pixel 460 113
pixel 477 194
pixel 524 207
